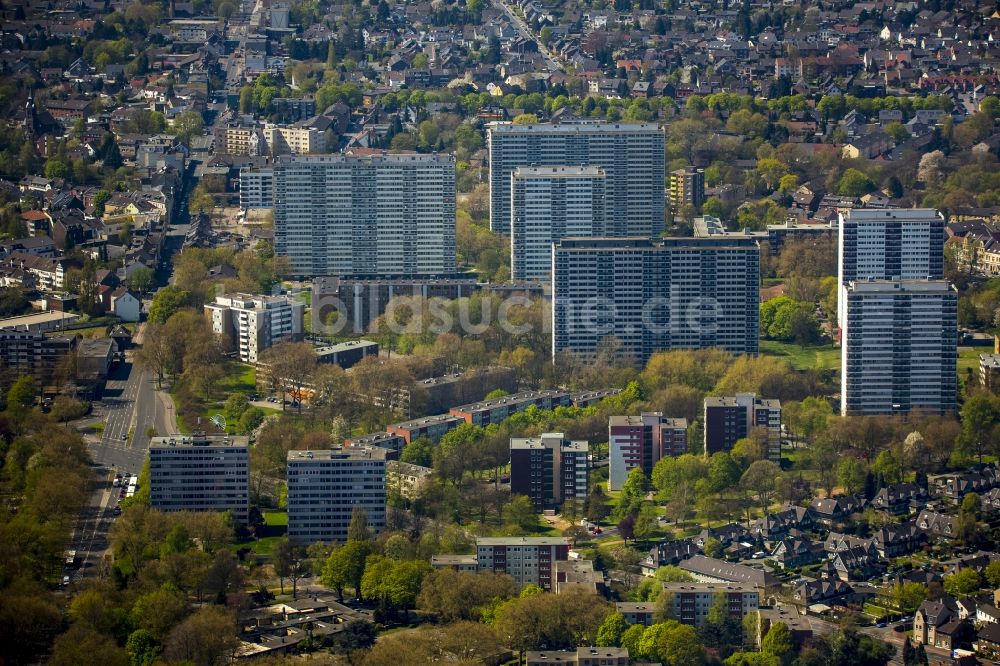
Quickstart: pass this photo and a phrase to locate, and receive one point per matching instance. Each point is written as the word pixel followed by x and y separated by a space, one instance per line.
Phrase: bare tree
pixel 290 366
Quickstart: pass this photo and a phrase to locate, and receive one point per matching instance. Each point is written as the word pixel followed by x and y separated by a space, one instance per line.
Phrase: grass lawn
pixel 275 526
pixel 820 357
pixel 276 518
pixel 244 381
pixel 968 360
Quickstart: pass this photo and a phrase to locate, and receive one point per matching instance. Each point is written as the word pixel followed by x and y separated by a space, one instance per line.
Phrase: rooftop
pixel 353 453
pixel 522 541
pixel 200 439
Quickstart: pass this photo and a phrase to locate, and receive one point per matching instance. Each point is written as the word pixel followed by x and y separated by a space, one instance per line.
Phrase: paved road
pixel 128 407
pixel 550 60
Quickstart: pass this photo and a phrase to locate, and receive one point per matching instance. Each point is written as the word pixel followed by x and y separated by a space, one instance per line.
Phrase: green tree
pixel 779 642
pixel 679 645
pixel 520 513
pixel 962 583
pixel 345 567
pixel 526 119
pixel 610 632
pixel 854 183
pixel 357 529
pixel 167 301
pixel 142 279
pixel 992 574
pixel 187 125
pixel 419 452
pixel 142 648
pixel 22 393
pixel 851 474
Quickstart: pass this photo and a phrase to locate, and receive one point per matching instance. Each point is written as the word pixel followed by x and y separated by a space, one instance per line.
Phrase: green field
pixel 968 359
pixel 819 357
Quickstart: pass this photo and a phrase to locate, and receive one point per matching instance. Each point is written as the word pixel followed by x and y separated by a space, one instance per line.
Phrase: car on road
pixel 117 510
pixel 124 436
pixel 65 581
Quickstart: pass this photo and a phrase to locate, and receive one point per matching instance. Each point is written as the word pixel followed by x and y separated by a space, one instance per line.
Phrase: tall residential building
pixel 253 323
pixel 256 187
pixel 640 441
pixel 631 155
pixel 899 347
pixel 901 244
pixel 389 214
pixel 324 488
pixel 655 295
pixel 548 204
pixel 728 419
pixel 528 560
pixel 200 473
pixel 687 188
pixel 548 469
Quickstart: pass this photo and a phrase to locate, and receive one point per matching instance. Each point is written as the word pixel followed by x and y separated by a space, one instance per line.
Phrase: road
pixel 551 61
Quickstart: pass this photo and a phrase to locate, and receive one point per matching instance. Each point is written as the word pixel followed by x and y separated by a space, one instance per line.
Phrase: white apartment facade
pixel 898 244
pixel 253 323
pixel 898 352
pixel 256 187
pixel 548 204
pixel 389 214
pixel 632 156
pixel 324 488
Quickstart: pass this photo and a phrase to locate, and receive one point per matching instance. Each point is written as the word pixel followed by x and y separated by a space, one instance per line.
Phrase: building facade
pixel 989 372
pixel 528 560
pixel 901 244
pixel 256 187
pixel 728 419
pixel 253 323
pixel 358 300
pixel 485 412
pixel 631 155
pixel 292 140
pixel 372 215
pixel 687 188
pixel 547 205
pixel 324 488
pixel 200 473
pixel 640 441
pixel 898 352
pixel 549 469
pixel 690 603
pixel 32 353
pixel 656 295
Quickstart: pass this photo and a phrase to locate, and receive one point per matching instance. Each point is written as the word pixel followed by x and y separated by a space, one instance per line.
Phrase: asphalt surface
pixel 522 27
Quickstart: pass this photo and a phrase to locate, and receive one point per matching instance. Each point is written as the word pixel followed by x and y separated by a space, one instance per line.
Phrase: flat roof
pixel 179 441
pixel 513 399
pixel 352 453
pixel 892 214
pixel 559 172
pixel 989 360
pixel 345 346
pixel 35 318
pixel 889 286
pixel 522 541
pixel 426 421
pixel 595 127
